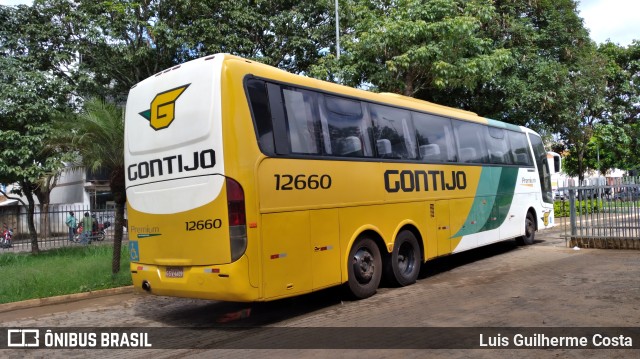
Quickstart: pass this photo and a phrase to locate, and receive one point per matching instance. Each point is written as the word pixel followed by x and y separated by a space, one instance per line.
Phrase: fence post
pixel 572 211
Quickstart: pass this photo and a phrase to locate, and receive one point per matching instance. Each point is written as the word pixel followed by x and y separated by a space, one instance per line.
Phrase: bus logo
pixel 163 108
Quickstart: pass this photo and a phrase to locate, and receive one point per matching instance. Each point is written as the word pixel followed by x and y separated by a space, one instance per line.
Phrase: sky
pixel 615 20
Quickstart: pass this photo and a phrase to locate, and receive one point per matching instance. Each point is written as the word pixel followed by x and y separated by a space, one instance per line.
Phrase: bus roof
pixel 388 98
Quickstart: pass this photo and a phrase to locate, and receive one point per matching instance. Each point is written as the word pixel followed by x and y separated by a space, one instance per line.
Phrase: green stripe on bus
pixel 147 235
pixel 504 197
pixel 493 200
pixel 483 203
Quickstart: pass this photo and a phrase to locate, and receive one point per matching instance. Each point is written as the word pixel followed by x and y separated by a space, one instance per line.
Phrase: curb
pixel 67 298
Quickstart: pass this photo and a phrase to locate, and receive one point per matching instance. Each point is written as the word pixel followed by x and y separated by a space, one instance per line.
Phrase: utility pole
pixel 598 155
pixel 337 33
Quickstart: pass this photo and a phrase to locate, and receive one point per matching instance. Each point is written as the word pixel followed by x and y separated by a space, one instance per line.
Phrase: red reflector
pixel 140 267
pixel 275 256
pixel 215 270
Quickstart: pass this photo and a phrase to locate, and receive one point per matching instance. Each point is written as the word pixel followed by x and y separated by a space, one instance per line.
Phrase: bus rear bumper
pixel 226 282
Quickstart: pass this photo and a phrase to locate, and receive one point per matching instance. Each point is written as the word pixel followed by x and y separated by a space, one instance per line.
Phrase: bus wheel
pixel 529 230
pixel 403 266
pixel 365 268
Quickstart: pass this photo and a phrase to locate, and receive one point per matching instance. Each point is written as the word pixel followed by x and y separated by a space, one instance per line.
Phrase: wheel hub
pixel 405 258
pixel 363 266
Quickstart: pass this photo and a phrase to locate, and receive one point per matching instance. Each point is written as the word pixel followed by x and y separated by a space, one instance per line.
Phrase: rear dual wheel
pixel 403 266
pixel 365 264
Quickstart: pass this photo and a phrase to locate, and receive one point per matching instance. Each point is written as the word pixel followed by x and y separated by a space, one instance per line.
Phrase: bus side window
pixel 472 137
pixel 261 114
pixel 301 122
pixel 392 128
pixel 435 138
pixel 344 125
pixel 519 148
pixel 498 146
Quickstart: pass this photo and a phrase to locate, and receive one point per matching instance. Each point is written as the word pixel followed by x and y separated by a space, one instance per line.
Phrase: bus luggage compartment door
pixel 285 254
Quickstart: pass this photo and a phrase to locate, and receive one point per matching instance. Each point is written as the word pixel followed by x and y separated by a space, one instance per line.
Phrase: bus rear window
pixel 262 114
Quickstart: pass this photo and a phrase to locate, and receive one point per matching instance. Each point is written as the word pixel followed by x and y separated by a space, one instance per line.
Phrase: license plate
pixel 174 272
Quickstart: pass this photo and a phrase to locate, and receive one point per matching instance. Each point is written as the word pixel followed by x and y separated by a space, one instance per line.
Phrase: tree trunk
pixel 581 169
pixel 117 238
pixel 45 229
pixel 408 84
pixel 43 193
pixel 31 207
pixel 120 198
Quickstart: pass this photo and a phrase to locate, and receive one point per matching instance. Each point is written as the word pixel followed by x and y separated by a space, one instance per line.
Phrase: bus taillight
pixel 237 219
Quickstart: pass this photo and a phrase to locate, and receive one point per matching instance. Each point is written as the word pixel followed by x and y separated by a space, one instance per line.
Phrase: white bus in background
pixel 555 165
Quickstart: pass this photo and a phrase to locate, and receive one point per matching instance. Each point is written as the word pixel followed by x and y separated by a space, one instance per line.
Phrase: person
pixel 94 223
pixel 72 223
pixel 5 239
pixel 87 224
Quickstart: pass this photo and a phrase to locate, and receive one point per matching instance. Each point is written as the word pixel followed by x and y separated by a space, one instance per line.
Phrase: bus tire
pixel 403 265
pixel 364 268
pixel 529 230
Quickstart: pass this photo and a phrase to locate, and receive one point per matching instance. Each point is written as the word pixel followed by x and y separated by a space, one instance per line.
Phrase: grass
pixel 562 208
pixel 60 271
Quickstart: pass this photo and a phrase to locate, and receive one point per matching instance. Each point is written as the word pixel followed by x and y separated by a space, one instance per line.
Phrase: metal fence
pixel 51 229
pixel 602 216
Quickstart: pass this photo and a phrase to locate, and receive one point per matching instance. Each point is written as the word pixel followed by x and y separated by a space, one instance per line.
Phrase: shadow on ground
pixel 193 313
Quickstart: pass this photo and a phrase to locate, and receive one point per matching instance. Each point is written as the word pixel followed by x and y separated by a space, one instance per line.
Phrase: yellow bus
pixel 248 183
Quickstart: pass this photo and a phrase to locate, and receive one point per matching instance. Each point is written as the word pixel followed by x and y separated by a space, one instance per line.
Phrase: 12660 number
pixel 203 224
pixel 300 182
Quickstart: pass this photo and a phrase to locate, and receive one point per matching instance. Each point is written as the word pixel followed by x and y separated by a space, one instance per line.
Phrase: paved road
pixel 502 285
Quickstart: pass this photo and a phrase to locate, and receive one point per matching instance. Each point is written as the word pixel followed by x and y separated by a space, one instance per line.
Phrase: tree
pixel 623 100
pixel 611 145
pixel 33 88
pixel 584 94
pixel 410 46
pixel 610 139
pixel 97 134
pixel 544 39
pixel 122 42
pixel 623 81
